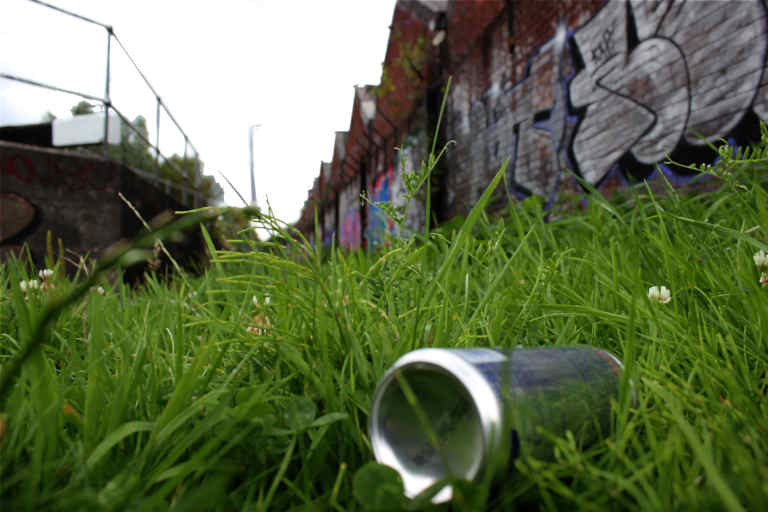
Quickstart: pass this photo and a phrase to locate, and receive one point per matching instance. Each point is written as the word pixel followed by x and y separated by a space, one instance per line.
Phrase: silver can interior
pixel 441 434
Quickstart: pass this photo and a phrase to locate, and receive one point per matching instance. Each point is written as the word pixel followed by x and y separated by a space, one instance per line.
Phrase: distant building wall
pixel 413 150
pixel 379 225
pixel 328 225
pixel 602 90
pixel 349 208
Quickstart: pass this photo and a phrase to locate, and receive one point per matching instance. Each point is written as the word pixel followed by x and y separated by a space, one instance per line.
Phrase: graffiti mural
pixel 328 225
pixel 659 74
pixel 350 223
pixel 409 161
pixel 350 229
pixel 604 90
pixel 525 121
pixel 638 81
pixel 378 222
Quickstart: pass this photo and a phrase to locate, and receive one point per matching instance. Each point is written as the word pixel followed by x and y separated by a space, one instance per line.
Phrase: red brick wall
pixel 599 90
pixel 621 87
pixel 466 24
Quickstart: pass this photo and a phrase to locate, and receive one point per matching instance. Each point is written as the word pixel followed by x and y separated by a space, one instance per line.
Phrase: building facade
pixel 572 92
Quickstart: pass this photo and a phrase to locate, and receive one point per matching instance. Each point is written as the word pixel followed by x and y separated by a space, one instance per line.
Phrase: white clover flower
pixel 764 279
pixel 267 300
pixel 33 284
pixel 255 301
pixel 23 286
pixel 45 273
pixel 659 294
pixel 761 259
pixel 100 290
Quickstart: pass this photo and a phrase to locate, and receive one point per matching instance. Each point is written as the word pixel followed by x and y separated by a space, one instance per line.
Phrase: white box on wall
pixel 85 129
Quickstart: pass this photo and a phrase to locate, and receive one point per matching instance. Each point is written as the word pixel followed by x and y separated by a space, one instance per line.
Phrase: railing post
pixel 157 134
pixel 108 107
pixel 196 184
pixel 107 100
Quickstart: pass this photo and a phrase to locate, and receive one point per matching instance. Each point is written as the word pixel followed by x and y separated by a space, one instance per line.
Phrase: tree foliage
pixel 133 150
pixel 82 108
pixel 182 170
pixel 136 152
pixel 48 117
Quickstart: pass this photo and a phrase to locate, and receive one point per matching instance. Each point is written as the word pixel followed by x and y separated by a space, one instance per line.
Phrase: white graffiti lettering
pixel 659 73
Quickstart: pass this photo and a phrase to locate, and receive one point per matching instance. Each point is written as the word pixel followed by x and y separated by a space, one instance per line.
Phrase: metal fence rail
pixel 108 105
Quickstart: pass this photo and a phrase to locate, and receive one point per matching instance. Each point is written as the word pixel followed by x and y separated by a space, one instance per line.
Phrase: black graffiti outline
pixel 603 50
pixel 683 152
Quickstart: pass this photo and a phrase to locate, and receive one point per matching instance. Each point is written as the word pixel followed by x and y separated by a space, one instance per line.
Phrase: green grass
pixel 158 397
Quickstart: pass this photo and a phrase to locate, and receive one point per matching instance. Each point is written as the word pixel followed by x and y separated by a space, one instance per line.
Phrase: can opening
pixel 453 417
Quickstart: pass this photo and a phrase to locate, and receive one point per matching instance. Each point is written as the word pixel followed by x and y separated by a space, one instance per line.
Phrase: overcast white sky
pixel 220 67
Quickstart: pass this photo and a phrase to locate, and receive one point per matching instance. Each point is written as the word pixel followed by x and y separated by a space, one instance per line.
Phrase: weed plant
pixel 249 388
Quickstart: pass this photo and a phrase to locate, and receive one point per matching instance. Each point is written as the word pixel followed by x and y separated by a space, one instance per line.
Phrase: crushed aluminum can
pixel 450 412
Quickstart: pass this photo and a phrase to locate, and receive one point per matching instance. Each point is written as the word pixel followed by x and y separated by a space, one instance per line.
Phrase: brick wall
pixel 602 90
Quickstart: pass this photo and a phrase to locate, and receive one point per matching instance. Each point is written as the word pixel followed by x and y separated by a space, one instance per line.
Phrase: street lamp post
pixel 253 177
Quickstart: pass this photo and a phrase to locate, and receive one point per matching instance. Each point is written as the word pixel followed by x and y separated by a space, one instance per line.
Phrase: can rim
pixel 485 400
pixel 618 362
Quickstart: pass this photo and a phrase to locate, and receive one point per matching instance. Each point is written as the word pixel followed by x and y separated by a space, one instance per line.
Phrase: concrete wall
pixel 71 195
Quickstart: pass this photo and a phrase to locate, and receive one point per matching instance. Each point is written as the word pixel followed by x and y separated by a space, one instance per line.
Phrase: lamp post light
pixel 253 177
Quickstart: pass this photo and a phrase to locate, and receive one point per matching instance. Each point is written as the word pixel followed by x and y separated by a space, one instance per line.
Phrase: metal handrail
pixel 107 103
pixel 157 96
pixel 165 159
pixel 52 87
pixel 70 13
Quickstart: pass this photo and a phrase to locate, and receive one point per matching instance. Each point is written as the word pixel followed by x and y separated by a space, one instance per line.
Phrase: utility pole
pixel 253 177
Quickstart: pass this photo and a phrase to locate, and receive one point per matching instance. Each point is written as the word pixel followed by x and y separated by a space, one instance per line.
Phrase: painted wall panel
pixel 379 225
pixel 603 90
pixel 633 83
pixel 349 211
